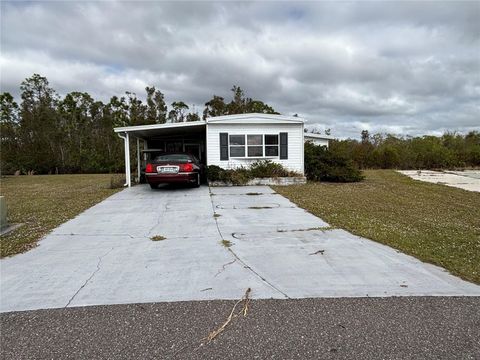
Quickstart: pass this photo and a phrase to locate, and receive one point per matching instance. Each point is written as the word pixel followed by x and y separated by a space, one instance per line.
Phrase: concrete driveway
pixel 105 255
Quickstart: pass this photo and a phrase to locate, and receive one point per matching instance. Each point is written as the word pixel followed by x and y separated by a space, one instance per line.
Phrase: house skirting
pixel 280 181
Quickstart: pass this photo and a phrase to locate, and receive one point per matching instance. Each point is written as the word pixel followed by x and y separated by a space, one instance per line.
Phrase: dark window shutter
pixel 223 146
pixel 283 145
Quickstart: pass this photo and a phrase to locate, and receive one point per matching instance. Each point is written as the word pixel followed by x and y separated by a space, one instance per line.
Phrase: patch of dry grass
pixel 42 202
pixel 226 243
pixel 434 223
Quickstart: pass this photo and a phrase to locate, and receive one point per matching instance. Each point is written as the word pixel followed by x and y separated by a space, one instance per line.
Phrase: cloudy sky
pixel 401 67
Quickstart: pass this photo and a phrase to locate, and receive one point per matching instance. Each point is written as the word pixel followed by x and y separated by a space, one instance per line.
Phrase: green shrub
pixel 241 175
pixel 215 173
pixel 238 176
pixel 321 164
pixel 267 168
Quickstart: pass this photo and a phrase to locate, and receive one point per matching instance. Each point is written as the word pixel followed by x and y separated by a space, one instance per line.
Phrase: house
pixel 227 141
pixel 317 139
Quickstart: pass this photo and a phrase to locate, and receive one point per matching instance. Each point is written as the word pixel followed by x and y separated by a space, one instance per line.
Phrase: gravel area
pixel 346 328
pixel 467 180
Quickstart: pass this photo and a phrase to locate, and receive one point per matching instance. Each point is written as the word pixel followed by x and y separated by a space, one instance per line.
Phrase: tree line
pixel 47 133
pixel 386 151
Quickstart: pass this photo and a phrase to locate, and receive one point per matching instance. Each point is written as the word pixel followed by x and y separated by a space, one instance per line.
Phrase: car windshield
pixel 174 157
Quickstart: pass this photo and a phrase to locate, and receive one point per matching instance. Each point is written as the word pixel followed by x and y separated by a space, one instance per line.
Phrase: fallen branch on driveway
pixel 246 303
pixel 232 315
pixel 214 334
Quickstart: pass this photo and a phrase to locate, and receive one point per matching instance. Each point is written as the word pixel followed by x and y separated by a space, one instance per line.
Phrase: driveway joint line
pixel 95 235
pixel 90 278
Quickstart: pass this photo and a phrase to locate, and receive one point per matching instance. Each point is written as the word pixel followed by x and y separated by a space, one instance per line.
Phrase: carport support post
pixel 127 160
pixel 138 160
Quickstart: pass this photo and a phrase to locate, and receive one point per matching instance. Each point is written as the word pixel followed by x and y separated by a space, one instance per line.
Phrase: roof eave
pixel 256 116
pixel 158 126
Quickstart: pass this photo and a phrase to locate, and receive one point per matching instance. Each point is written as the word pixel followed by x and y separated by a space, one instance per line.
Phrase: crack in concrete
pixel 246 266
pixel 158 219
pixel 90 277
pixel 224 266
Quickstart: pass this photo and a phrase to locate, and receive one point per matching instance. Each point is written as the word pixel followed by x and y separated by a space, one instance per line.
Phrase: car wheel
pixel 153 186
pixel 197 181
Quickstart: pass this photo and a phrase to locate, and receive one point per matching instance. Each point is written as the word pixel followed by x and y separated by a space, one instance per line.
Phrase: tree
pixel 119 111
pixel 256 106
pixel 38 125
pixel 215 107
pixel 47 133
pixel 325 164
pixel 8 109
pixel 240 104
pixel 177 114
pixel 8 132
pixel 193 117
pixel 156 107
pixel 136 110
pixel 472 148
pixel 75 128
pixel 365 136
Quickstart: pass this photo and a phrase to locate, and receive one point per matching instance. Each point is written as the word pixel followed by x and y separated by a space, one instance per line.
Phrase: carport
pixel 171 137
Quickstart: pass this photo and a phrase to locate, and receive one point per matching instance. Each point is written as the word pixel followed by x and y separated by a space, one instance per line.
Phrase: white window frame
pixel 246 146
pixel 277 145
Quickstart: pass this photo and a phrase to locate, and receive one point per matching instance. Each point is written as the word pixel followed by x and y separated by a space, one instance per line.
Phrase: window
pixel 271 145
pixel 173 157
pixel 254 145
pixel 237 145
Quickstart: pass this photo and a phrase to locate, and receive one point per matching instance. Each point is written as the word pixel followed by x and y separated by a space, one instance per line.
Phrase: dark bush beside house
pixel 321 164
pixel 238 176
pixel 215 173
pixel 241 175
pixel 267 168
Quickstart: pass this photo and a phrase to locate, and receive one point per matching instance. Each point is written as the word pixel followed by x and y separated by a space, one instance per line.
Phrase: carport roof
pixel 143 131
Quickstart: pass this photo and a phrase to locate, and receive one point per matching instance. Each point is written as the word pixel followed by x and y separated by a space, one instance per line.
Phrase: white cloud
pixel 407 67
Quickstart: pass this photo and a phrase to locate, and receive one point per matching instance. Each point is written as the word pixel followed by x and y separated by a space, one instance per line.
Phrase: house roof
pixel 317 136
pixel 258 118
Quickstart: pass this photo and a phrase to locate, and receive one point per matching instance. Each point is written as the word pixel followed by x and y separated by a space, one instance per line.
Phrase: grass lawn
pixel 42 202
pixel 435 223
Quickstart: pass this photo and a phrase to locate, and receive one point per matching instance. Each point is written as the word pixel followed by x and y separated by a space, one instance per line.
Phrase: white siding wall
pixel 295 143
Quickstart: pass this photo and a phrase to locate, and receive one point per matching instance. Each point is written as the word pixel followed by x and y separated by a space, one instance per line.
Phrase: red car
pixel 174 168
